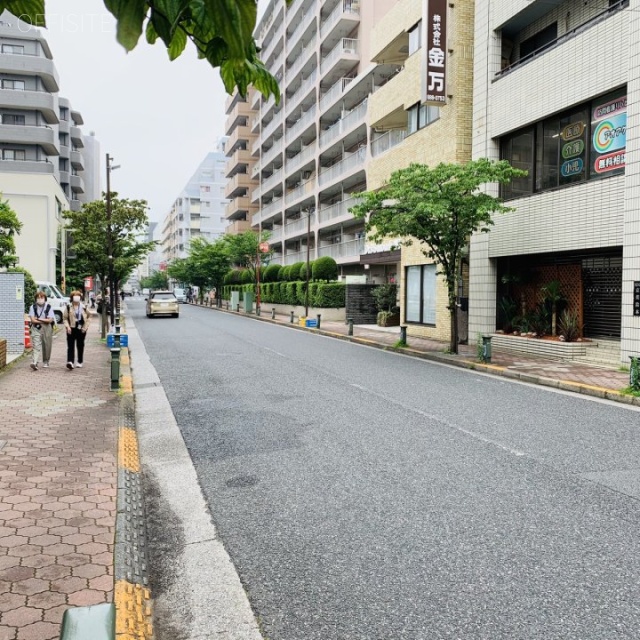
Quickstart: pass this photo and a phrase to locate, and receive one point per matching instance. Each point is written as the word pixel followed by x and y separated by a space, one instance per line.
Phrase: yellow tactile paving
pixel 126 384
pixel 133 611
pixel 128 455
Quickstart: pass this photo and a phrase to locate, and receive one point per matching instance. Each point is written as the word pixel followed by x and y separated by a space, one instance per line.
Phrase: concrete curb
pixel 564 385
pixel 132 596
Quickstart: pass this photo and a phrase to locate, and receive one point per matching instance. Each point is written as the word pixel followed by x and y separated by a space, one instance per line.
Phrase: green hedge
pixel 321 294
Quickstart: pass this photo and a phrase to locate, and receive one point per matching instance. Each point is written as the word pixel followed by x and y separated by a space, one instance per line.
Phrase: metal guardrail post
pixel 350 323
pixel 238 307
pixel 115 365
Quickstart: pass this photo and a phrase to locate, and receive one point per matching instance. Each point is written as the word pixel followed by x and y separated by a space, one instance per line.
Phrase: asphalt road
pixel 366 495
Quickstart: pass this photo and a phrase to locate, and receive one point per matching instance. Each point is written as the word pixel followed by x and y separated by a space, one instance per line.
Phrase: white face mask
pixel 76 298
pixel 40 302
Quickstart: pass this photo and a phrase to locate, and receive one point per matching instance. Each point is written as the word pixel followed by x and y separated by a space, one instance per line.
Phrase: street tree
pixel 440 207
pixel 244 250
pixel 205 266
pixel 9 227
pixel 157 280
pixel 91 231
pixel 220 30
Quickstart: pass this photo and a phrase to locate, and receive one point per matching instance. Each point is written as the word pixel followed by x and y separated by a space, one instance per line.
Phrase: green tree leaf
pixel 130 15
pixel 29 11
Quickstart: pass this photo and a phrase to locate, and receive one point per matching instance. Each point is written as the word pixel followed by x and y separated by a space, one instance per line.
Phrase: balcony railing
pixel 299 256
pixel 336 210
pixel 348 249
pixel 306 18
pixel 302 58
pixel 273 207
pixel 272 126
pixel 271 181
pixel 346 165
pixel 305 188
pixel 305 119
pixel 346 6
pixel 298 160
pixel 334 93
pixel 302 91
pixel 387 141
pixel 345 46
pixel 354 117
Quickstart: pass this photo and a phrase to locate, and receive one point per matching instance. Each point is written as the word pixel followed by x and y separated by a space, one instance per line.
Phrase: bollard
pixel 403 334
pixel 318 317
pixel 115 366
pixel 634 373
pixel 257 309
pixel 486 349
pixel 273 313
pixel 350 323
pixel 238 307
pixel 291 318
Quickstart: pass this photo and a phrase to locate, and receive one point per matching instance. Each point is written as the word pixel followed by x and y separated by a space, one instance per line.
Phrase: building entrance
pixel 602 296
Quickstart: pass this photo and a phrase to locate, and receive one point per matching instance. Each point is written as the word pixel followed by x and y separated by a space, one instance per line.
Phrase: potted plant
pixel 385 297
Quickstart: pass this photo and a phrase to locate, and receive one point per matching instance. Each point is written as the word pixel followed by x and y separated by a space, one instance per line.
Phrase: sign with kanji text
pixel 434 81
pixel 636 298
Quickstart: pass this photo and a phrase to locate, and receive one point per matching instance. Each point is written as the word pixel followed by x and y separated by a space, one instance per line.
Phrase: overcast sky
pixel 156 118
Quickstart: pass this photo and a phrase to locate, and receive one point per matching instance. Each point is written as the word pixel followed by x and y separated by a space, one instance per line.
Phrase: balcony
pixel 43 136
pixel 269 129
pixel 239 206
pixel 307 85
pixel 77 184
pixel 237 227
pixel 387 141
pixel 302 191
pixel 240 157
pixel 337 211
pixel 341 21
pixel 238 138
pixel 346 251
pixel 298 256
pixel 307 21
pixel 232 101
pixel 307 118
pixel 307 154
pixel 301 58
pixel 271 181
pixel 239 185
pixel 27 166
pixel 25 65
pixel 341 59
pixel 75 134
pixel 269 155
pixel 354 118
pixel 41 101
pixel 77 161
pixel 296 227
pixel 334 93
pixel 349 164
pixel 268 211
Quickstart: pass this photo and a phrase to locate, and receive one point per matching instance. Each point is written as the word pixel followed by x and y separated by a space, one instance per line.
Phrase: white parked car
pixel 180 294
pixel 55 298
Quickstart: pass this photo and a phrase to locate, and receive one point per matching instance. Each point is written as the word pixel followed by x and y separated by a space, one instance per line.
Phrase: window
pixel 415 37
pixel 63 164
pixel 14 154
pixel 8 118
pixel 64 139
pixel 18 85
pixel 420 115
pixel 540 40
pixel 64 113
pixel 13 48
pixel 584 143
pixel 420 303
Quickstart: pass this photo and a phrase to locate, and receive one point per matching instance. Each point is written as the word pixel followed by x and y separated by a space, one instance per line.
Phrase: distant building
pixel 199 210
pixel 42 160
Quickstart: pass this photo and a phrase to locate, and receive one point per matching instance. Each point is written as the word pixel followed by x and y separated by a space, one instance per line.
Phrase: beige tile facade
pixel 447 139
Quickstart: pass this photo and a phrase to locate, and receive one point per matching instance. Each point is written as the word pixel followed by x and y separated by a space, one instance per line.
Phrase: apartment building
pixel 556 84
pixel 199 210
pixel 311 149
pixel 405 128
pixel 41 146
pixel 239 169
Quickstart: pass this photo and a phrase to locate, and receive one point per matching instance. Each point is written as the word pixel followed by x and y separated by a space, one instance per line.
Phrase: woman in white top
pixel 42 320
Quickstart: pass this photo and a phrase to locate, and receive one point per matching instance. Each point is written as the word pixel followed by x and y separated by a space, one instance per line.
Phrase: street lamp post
pixel 112 300
pixel 306 291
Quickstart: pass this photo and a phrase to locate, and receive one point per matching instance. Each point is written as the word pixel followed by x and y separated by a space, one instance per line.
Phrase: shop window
pixel 420 299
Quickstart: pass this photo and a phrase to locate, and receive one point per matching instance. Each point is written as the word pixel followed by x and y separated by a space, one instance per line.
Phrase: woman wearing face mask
pixel 76 322
pixel 42 320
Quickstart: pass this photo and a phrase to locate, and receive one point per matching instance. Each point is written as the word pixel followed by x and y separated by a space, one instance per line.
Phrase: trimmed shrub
pixel 289 294
pixel 331 295
pixel 272 272
pixel 283 276
pixel 246 276
pixel 294 271
pixel 325 268
pixel 303 271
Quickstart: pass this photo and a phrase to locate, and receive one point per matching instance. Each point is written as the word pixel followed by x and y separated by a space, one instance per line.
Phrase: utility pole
pixel 306 291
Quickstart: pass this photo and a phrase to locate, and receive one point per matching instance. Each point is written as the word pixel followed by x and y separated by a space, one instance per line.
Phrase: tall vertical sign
pixel 434 29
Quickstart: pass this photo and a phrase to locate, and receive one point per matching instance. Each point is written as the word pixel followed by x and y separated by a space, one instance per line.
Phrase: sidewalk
pixel 58 488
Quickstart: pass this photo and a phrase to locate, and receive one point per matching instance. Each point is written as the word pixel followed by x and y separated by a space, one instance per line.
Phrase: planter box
pixel 551 349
